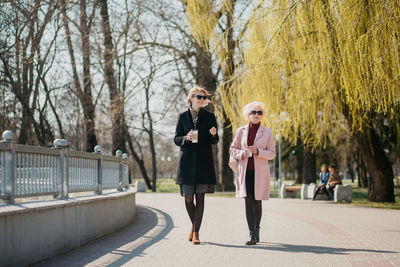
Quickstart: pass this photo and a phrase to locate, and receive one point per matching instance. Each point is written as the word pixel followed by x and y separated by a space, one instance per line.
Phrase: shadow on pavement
pixel 154 238
pixel 301 248
pixel 121 246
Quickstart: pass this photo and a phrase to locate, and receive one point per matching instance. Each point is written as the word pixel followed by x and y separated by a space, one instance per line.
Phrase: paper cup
pixel 195 136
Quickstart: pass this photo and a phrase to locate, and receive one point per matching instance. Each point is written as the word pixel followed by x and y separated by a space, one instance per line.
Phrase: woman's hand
pixel 253 150
pixel 189 136
pixel 213 131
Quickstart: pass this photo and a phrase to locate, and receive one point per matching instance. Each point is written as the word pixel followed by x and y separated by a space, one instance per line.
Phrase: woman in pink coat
pixel 253 146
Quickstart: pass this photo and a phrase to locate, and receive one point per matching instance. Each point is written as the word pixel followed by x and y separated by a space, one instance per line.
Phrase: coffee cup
pixel 248 153
pixel 195 136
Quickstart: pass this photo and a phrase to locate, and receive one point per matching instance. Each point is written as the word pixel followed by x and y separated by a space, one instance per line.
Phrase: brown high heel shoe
pixel 196 239
pixel 191 233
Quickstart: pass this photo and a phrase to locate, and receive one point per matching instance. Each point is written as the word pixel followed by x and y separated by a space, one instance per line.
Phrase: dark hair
pixel 332 166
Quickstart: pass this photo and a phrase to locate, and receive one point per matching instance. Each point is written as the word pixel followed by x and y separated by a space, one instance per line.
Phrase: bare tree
pixel 147 119
pixel 84 92
pixel 192 60
pixel 25 67
pixel 116 96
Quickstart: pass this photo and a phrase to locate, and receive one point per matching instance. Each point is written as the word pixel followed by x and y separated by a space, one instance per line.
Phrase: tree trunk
pixel 299 161
pixel 85 95
pixel 204 74
pixel 116 98
pixel 153 162
pixel 229 69
pixel 150 132
pixel 25 93
pixel 361 171
pixel 380 184
pixel 324 156
pixel 350 168
pixel 206 78
pixel 310 166
pixel 139 161
pixel 26 132
pixel 227 174
pixel 364 176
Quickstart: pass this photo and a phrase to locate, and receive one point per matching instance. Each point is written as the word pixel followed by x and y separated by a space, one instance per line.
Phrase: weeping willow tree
pixel 214 26
pixel 329 67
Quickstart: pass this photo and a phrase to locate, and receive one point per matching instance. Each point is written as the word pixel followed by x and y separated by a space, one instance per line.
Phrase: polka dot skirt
pixel 190 189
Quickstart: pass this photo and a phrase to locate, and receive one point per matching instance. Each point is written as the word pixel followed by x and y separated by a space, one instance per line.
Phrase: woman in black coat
pixel 196 173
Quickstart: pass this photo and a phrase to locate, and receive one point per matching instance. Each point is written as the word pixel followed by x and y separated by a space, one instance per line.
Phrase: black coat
pixel 196 163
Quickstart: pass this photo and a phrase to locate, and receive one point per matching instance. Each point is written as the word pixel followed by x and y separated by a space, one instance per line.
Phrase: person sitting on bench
pixel 323 180
pixel 334 179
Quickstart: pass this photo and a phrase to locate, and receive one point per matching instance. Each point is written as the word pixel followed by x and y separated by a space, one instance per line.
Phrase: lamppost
pixel 274 172
pixel 278 136
pixel 285 117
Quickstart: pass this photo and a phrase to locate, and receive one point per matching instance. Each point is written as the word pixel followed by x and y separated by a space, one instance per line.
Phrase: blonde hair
pixel 195 90
pixel 250 106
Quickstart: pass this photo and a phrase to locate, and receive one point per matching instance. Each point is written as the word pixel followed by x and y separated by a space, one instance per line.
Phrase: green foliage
pixel 314 60
pixel 203 16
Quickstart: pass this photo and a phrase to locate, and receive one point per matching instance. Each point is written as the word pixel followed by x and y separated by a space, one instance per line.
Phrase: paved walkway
pixel 293 233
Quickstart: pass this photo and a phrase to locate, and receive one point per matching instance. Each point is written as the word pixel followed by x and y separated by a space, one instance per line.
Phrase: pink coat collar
pixel 260 133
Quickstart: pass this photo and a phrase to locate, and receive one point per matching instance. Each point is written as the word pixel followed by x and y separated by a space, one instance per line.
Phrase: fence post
pixel 9 167
pixel 97 151
pixel 62 169
pixel 118 154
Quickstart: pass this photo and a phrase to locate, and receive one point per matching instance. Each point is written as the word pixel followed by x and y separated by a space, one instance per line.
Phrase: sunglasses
pixel 254 112
pixel 200 97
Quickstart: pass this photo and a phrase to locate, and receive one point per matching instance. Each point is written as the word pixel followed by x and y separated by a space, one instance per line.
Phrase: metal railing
pixel 27 171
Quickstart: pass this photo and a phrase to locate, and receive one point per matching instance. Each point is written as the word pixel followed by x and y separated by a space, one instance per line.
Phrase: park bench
pixel 310 190
pixel 341 193
pixel 289 191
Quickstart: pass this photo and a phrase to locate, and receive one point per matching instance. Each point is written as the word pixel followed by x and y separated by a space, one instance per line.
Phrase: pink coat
pixel 265 143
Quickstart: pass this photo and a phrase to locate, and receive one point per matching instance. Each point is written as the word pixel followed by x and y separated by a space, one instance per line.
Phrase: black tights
pixel 328 192
pixel 195 211
pixel 253 213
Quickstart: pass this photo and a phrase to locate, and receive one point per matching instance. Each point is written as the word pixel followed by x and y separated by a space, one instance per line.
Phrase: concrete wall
pixel 31 232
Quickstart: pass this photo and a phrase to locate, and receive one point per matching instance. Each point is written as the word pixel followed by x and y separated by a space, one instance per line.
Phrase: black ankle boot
pixel 252 240
pixel 257 233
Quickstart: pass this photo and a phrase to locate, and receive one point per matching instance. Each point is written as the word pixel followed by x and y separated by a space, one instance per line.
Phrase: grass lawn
pixel 360 197
pixel 169 186
pixel 165 186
